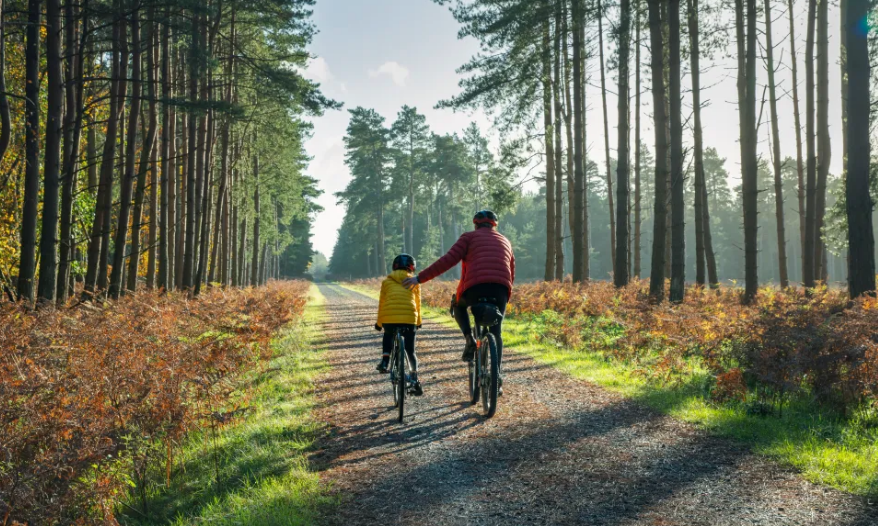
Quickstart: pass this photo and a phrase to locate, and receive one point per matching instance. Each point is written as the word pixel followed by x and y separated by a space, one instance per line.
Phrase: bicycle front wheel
pixel 490 372
pixel 402 376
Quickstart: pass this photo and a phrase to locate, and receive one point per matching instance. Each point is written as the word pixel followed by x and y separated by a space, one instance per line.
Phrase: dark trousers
pixel 408 335
pixel 471 296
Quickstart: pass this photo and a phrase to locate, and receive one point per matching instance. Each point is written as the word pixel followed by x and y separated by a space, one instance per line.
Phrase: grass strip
pixel 254 471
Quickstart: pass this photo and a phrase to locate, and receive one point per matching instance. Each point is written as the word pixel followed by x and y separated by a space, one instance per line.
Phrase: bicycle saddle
pixel 486 312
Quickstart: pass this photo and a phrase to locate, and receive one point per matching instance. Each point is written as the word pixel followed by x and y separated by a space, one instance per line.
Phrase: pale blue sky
pixel 383 54
pixel 380 54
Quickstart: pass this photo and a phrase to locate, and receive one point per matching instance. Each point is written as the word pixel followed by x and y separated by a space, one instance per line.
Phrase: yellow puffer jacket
pixel 398 304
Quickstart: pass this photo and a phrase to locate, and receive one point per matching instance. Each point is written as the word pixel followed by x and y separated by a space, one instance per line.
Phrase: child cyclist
pixel 400 308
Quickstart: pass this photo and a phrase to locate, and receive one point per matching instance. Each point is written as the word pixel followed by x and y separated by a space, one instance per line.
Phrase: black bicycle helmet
pixel 485 216
pixel 404 262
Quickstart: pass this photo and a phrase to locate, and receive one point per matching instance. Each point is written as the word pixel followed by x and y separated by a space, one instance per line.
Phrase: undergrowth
pixel 256 470
pixel 93 398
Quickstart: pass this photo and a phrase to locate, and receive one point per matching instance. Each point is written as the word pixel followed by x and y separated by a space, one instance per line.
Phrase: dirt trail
pixel 559 451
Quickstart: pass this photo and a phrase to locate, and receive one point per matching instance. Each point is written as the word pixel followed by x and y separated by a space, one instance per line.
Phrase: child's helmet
pixel 404 262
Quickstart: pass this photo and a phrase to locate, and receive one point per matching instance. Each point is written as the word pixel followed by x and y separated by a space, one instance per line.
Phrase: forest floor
pixel 558 451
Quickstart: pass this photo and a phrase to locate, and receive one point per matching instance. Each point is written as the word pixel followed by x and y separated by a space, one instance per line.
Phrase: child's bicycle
pixel 400 372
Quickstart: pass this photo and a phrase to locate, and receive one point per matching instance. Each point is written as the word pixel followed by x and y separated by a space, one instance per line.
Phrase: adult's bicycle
pixel 484 368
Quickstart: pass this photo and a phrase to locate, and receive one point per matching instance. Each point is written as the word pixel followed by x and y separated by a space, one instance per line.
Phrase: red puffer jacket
pixel 487 258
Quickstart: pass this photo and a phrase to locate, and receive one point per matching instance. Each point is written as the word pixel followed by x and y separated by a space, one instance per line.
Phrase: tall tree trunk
pixel 861 240
pixel 809 267
pixel 242 254
pixel 548 133
pixel 144 166
pixel 27 260
pixel 382 258
pixel 579 176
pixel 620 273
pixel 678 218
pixel 192 154
pixel 843 66
pixel 559 172
pixel 775 134
pixel 72 138
pixel 657 270
pixel 183 200
pixel 692 12
pixel 637 196
pixel 824 145
pixel 5 116
pixel 129 176
pixel 747 102
pixel 600 16
pixel 254 276
pixel 52 167
pixel 168 167
pixel 800 167
pixel 105 185
pixel 568 123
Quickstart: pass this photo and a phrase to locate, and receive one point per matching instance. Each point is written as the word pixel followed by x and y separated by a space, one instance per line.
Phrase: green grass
pixel 825 447
pixel 255 471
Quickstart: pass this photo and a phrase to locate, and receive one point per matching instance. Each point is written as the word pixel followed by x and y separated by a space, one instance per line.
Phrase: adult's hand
pixel 411 282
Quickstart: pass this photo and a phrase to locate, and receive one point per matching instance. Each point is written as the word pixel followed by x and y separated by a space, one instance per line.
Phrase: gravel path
pixel 558 451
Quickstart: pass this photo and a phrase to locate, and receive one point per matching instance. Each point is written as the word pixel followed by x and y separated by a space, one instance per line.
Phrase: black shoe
pixel 382 366
pixel 469 352
pixel 417 390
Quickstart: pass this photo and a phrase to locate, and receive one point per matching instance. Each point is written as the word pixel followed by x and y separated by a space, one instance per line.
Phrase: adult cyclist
pixel 487 271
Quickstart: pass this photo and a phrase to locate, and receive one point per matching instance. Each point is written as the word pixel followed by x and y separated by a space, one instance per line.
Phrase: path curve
pixel 558 451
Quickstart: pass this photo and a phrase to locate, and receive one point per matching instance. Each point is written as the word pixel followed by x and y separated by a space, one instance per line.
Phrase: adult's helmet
pixel 485 217
pixel 404 262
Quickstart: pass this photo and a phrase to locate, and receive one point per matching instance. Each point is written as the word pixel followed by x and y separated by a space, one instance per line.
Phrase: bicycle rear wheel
pixel 490 372
pixel 402 379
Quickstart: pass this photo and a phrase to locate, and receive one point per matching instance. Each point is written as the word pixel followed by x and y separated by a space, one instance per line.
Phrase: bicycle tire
pixel 402 383
pixel 394 373
pixel 473 376
pixel 492 372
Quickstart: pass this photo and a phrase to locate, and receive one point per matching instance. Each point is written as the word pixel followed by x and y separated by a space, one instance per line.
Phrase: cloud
pixel 318 70
pixel 394 70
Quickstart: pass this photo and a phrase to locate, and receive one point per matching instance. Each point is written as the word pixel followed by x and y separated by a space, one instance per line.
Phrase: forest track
pixel 558 451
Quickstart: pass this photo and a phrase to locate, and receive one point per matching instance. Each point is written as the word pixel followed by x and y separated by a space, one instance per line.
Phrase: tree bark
pixel 559 175
pixel 657 270
pixel 620 273
pixel 96 250
pixel 168 168
pixel 861 240
pixel 129 176
pixel 5 116
pixel 809 267
pixel 637 196
pixel 600 15
pixel 254 276
pixel 800 167
pixel 568 125
pixel 27 259
pixel 775 134
pixel 678 221
pixel 52 166
pixel 146 154
pixel 747 102
pixel 579 176
pixel 192 194
pixel 824 145
pixel 548 134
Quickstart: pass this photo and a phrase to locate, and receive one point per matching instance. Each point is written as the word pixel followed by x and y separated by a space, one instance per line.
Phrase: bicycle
pixel 484 368
pixel 400 372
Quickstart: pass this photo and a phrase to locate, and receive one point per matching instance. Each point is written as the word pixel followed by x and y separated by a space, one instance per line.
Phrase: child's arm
pixel 418 302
